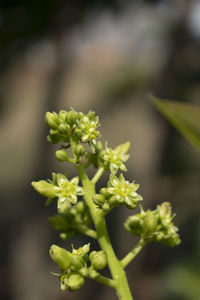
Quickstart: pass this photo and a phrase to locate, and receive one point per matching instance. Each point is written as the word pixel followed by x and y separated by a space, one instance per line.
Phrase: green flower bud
pixel 106 207
pixel 71 117
pixel 104 192
pixel 53 137
pixel 98 199
pixel 44 188
pixel 134 224
pixel 91 115
pixel 77 262
pixel 93 273
pixel 75 282
pixel 79 150
pixel 171 241
pixel 113 201
pixel 150 223
pixel 77 133
pixel 165 210
pixel 60 256
pixel 98 259
pixel 80 115
pixel 80 207
pixel 52 120
pixel 63 128
pixel 62 115
pixel 63 236
pixel 64 209
pixel 84 272
pixel 61 155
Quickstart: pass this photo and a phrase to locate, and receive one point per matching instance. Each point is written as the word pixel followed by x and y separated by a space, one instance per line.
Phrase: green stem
pixel 87 231
pixel 97 176
pixel 130 256
pixel 106 281
pixel 71 160
pixel 116 269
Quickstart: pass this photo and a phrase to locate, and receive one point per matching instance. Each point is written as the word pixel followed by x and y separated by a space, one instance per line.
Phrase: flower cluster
pixel 71 220
pixel 118 192
pixel 61 188
pixel 74 265
pixel 155 225
pixel 66 125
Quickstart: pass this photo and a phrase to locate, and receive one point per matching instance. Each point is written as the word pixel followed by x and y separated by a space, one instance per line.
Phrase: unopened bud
pixel 98 199
pixel 93 273
pixel 165 210
pixel 150 224
pixel 54 136
pixel 44 188
pixel 62 115
pixel 84 272
pixel 91 115
pixel 75 282
pixel 79 150
pixel 78 133
pixel 64 209
pixel 80 207
pixel 104 192
pixel 52 120
pixel 60 256
pixel 77 261
pixel 61 155
pixel 63 128
pixel 134 224
pixel 98 259
pixel 106 207
pixel 71 117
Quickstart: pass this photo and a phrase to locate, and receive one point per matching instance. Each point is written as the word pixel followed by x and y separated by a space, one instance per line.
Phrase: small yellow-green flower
pixel 123 192
pixel 60 187
pixel 114 159
pixel 67 190
pixel 88 125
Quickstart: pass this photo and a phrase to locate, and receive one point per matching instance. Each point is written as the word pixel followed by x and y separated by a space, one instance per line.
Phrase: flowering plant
pixel 87 215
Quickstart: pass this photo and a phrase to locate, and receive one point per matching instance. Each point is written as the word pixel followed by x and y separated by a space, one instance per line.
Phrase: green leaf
pixel 184 117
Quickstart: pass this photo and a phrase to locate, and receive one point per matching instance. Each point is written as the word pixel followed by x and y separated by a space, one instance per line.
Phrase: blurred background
pixel 105 56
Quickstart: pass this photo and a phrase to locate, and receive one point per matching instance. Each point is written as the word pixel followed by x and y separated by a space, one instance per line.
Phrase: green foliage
pixel 87 215
pixel 184 117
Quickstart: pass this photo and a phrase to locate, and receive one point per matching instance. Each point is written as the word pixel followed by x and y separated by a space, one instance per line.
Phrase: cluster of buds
pixel 118 192
pixel 155 225
pixel 71 220
pixel 74 265
pixel 78 126
pixel 64 190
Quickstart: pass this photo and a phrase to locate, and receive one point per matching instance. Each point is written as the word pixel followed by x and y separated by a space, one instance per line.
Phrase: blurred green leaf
pixel 182 281
pixel 184 117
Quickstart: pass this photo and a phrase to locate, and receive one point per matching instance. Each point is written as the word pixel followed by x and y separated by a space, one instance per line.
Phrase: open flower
pixel 88 125
pixel 123 192
pixel 114 159
pixel 60 187
pixel 67 190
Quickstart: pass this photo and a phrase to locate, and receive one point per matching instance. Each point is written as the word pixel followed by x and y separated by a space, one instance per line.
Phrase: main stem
pixel 116 268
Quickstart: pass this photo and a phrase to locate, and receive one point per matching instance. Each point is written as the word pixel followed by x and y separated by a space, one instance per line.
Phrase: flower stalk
pixel 81 209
